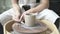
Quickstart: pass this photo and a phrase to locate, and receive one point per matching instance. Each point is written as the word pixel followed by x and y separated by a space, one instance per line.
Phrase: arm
pixel 43 5
pixel 17 13
pixel 15 5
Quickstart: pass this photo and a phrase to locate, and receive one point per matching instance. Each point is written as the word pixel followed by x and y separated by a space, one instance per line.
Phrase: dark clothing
pixel 1 29
pixel 57 22
pixel 26 7
pixel 54 0
pixel 55 5
pixel 37 1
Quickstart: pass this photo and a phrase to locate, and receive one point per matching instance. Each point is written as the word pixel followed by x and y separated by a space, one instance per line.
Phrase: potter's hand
pixel 16 16
pixel 24 13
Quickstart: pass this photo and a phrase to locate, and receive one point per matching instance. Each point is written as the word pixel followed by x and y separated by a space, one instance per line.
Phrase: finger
pixel 21 17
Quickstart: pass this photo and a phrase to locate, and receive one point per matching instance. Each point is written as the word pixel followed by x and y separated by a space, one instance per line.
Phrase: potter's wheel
pixel 40 27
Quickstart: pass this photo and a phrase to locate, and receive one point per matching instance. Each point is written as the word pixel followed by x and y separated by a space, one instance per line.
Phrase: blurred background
pixel 4 5
pixel 54 5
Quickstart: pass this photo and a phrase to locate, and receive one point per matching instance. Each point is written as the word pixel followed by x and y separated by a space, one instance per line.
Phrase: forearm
pixel 15 5
pixel 40 7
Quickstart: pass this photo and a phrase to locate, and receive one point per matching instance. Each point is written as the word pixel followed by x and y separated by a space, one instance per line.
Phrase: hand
pixel 24 13
pixel 16 16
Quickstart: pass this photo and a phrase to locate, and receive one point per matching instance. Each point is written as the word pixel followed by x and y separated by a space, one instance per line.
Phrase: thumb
pixel 21 17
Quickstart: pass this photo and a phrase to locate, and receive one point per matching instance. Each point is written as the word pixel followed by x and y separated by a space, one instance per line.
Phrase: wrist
pixel 32 10
pixel 28 11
